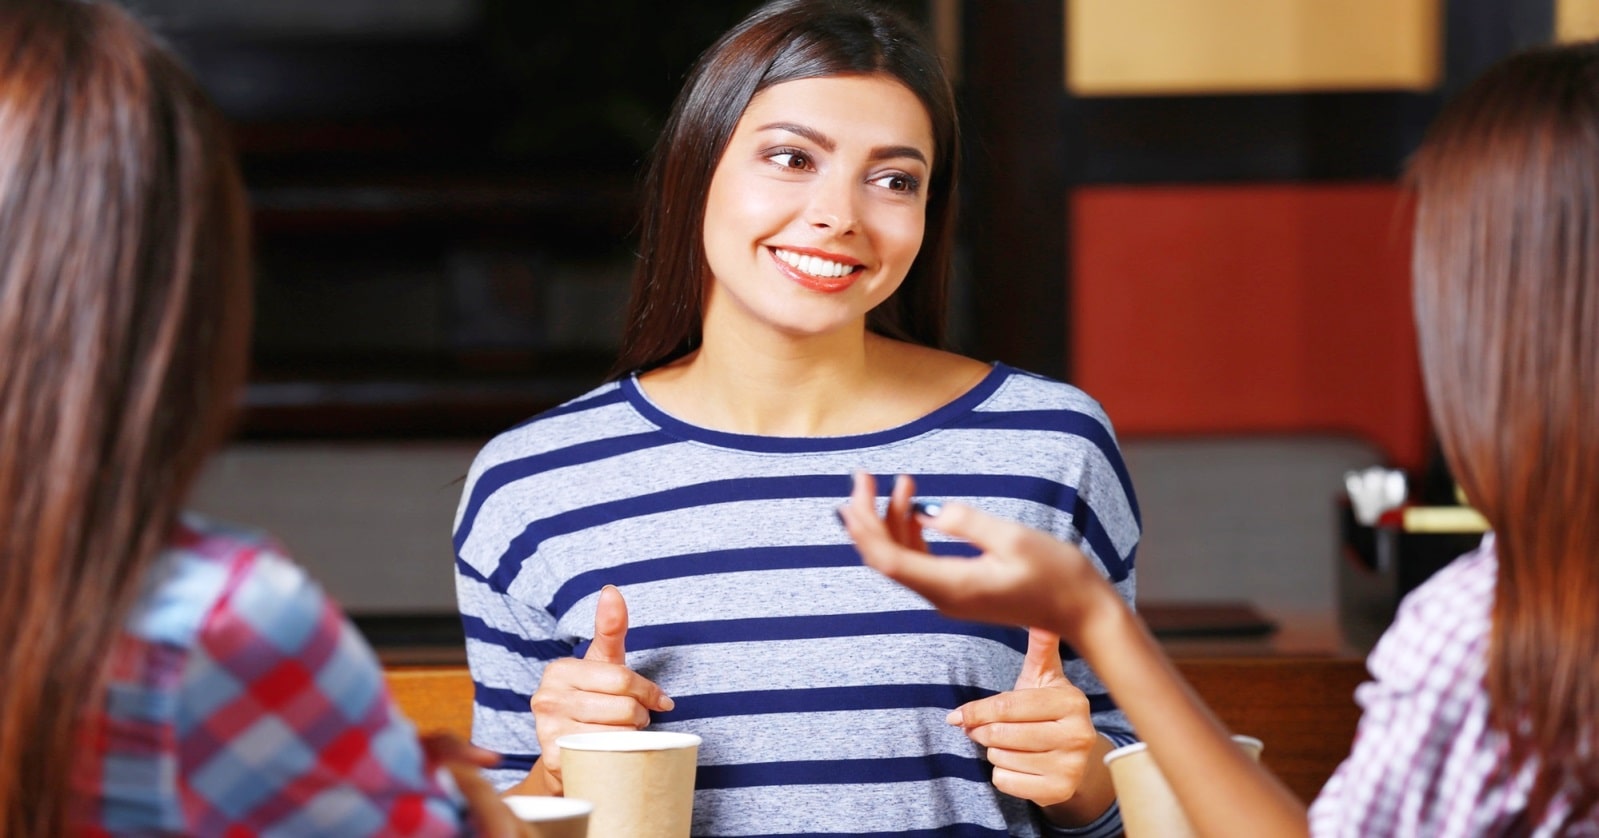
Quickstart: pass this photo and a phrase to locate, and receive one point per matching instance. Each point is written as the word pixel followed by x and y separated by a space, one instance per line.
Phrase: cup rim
pixel 628 740
pixel 1138 747
pixel 538 807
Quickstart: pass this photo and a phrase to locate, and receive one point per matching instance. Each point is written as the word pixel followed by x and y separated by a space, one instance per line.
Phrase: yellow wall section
pixel 1576 20
pixel 1132 47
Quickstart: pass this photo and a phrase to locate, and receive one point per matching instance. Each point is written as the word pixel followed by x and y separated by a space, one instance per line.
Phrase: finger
pixel 986 531
pixel 944 582
pixel 876 544
pixel 580 691
pixel 1027 737
pixel 1042 667
pixel 1041 705
pixel 610 628
pixel 902 523
pixel 863 493
pixel 491 817
pixel 447 747
pixel 607 709
pixel 1044 788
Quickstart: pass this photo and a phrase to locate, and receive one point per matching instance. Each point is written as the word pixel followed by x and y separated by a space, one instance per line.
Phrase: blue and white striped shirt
pixel 818 686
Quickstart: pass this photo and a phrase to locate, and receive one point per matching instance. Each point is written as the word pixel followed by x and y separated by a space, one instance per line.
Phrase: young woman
pixel 1483 716
pixel 786 315
pixel 161 674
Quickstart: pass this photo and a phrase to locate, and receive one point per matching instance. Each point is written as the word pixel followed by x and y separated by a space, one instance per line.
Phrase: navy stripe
pixel 682 497
pixel 1097 702
pixel 966 402
pixel 465 568
pixel 508 472
pixel 692 496
pixel 1120 737
pixel 476 629
pixel 1038 490
pixel 821 700
pixel 499 698
pixel 738 560
pixel 758 629
pixel 700 495
pixel 521 762
pixel 842 772
pixel 1061 421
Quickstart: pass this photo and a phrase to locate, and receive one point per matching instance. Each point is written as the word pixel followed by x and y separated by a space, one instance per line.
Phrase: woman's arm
pixel 1028 577
pixel 285 723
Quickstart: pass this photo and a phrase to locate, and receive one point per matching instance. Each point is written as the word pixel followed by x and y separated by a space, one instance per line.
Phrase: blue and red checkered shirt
pixel 242 702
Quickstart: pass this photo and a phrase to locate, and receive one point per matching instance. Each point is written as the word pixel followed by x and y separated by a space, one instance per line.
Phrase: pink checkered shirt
pixel 1425 762
pixel 243 703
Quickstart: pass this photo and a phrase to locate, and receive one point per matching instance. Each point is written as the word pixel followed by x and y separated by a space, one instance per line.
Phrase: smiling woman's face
pixel 817 207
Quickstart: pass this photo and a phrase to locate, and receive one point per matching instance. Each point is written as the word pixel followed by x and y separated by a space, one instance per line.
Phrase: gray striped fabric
pixel 819 687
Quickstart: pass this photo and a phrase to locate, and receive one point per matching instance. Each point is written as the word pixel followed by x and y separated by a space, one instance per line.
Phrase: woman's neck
pixel 814 387
pixel 838 387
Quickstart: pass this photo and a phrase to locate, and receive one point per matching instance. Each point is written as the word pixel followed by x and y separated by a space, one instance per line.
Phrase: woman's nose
pixel 832 206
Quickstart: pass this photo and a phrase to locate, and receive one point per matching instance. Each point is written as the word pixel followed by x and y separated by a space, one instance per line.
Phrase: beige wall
pixel 1132 47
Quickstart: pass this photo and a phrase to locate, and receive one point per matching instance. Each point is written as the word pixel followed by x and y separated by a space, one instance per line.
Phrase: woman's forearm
pixel 1222 789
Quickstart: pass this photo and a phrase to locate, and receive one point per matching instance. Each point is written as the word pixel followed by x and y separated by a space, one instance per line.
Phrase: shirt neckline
pixel 687 431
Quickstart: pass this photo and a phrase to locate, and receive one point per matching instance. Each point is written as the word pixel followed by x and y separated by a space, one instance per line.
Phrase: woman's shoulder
pixel 203 564
pixel 1445 620
pixel 1005 389
pixel 605 410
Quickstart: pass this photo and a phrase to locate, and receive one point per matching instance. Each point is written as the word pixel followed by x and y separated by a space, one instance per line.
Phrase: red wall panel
pixel 1248 309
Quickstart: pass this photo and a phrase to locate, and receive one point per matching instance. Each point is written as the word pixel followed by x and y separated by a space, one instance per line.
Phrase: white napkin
pixel 1373 491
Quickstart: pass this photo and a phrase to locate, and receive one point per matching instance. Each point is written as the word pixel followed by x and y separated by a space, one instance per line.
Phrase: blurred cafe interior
pixel 1192 209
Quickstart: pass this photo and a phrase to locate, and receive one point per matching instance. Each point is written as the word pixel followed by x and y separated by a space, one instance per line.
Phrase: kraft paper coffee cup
pixel 552 817
pixel 1149 808
pixel 641 782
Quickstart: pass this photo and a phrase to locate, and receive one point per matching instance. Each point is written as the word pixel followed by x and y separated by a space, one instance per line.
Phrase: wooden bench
pixel 436 698
pixel 1302 708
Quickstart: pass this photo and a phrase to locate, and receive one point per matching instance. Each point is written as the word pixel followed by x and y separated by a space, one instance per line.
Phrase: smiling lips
pixel 816 272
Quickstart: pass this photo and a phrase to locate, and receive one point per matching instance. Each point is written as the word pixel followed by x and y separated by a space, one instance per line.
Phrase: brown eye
pixel 790 159
pixel 899 183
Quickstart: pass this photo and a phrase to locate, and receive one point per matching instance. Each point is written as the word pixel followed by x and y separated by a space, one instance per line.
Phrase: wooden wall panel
pixel 1137 47
pixel 1576 20
pixel 1248 309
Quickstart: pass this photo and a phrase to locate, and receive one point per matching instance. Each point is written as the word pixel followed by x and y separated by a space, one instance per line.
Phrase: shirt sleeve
pixel 1106 525
pixel 508 645
pixel 286 726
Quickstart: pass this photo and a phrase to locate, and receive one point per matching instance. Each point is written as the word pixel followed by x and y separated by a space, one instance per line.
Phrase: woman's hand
pixel 491 818
pixel 1023 577
pixel 1039 735
pixel 594 693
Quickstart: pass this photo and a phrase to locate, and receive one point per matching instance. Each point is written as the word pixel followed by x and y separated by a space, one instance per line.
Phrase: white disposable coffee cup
pixel 641 782
pixel 1149 808
pixel 552 817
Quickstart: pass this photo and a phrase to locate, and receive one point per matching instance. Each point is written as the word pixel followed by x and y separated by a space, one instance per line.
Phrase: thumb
pixel 610 628
pixel 1042 667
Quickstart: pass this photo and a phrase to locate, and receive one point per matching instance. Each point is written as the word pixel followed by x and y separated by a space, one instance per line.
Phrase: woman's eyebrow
pixel 828 144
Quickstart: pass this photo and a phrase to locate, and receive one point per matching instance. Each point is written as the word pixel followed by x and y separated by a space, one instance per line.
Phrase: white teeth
pixel 814 265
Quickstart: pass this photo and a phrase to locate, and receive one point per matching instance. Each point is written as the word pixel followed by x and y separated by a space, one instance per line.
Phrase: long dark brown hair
pixel 779 42
pixel 1507 305
pixel 124 311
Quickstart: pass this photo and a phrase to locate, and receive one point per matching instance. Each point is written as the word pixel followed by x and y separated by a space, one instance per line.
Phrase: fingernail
pixel 667 703
pixel 954 718
pixel 930 508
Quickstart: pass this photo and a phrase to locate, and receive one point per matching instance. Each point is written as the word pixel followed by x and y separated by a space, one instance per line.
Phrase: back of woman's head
pixel 1507 310
pixel 124 309
pixel 781 41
